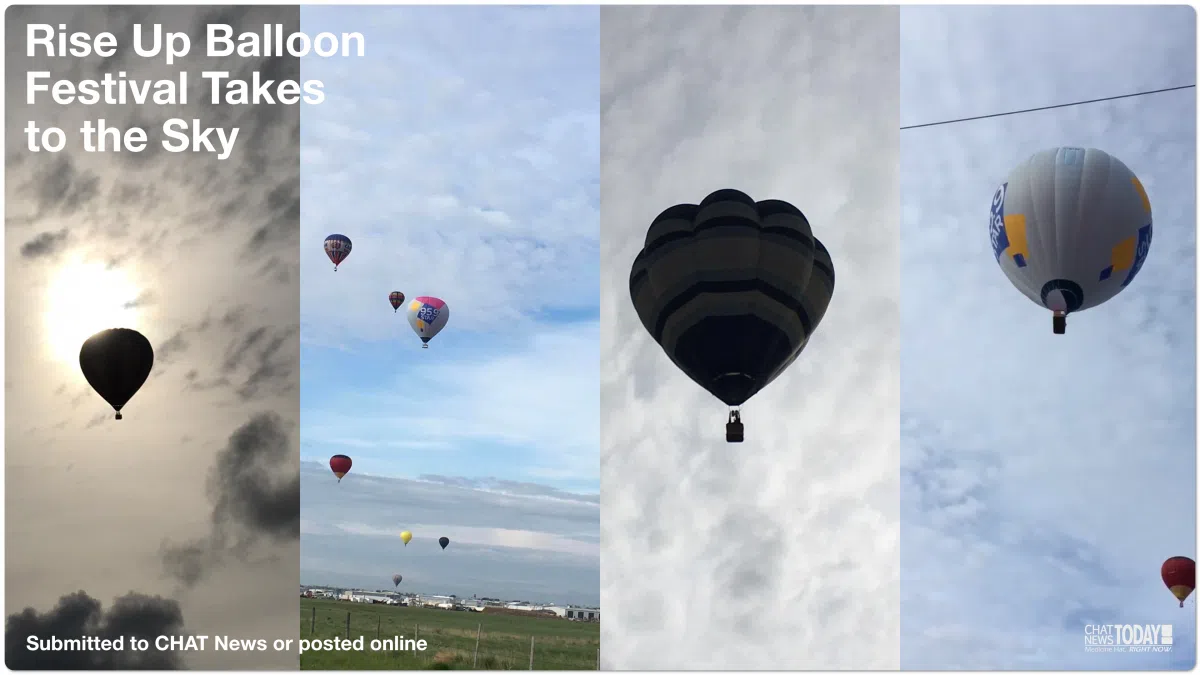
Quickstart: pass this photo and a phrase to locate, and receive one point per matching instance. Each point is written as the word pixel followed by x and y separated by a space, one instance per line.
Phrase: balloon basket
pixel 734 431
pixel 1060 324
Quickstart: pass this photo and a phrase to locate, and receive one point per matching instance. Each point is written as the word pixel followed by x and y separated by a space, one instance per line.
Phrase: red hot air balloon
pixel 1179 574
pixel 397 299
pixel 340 465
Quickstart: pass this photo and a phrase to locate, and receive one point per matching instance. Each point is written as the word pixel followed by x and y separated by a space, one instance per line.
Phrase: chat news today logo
pixel 1130 638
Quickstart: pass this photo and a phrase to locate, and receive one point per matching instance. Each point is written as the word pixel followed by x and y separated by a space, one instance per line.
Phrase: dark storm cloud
pixel 260 354
pixel 255 492
pixel 46 243
pixel 79 615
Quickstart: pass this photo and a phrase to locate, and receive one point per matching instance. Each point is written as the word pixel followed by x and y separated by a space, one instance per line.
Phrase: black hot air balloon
pixel 732 290
pixel 444 541
pixel 116 362
pixel 396 579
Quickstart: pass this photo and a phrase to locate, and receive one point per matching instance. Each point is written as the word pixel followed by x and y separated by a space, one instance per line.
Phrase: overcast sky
pixel 199 255
pixel 460 155
pixel 766 554
pixel 1045 477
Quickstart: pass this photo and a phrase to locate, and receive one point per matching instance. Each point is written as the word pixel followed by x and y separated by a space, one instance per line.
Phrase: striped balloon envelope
pixel 732 290
pixel 337 247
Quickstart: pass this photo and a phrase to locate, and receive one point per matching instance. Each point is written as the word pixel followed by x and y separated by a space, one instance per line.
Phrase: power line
pixel 1047 107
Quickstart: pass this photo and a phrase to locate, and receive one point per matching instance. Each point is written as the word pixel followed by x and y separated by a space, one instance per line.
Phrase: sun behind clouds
pixel 84 298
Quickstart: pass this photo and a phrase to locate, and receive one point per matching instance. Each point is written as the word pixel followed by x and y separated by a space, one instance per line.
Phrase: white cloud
pixel 780 552
pixel 1046 477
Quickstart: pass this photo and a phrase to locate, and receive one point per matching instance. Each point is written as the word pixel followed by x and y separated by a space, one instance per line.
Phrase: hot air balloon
pixel 397 299
pixel 427 316
pixel 1179 574
pixel 1071 228
pixel 406 536
pixel 116 362
pixel 444 541
pixel 732 290
pixel 340 464
pixel 337 247
pixel 396 579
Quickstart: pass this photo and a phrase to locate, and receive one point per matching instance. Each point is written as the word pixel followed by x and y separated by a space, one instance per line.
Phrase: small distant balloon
pixel 406 536
pixel 444 541
pixel 1179 574
pixel 427 316
pixel 340 464
pixel 397 299
pixel 396 579
pixel 116 363
pixel 337 247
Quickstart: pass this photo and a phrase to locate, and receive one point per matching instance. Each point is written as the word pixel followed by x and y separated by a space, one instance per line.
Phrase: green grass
pixel 504 640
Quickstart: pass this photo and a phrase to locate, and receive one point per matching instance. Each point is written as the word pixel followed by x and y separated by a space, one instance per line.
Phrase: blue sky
pixel 461 157
pixel 1045 477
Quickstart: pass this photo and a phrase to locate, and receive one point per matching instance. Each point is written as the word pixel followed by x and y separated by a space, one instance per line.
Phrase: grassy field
pixel 504 639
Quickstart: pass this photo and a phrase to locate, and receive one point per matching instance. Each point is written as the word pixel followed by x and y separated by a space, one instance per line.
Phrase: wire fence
pixel 454 640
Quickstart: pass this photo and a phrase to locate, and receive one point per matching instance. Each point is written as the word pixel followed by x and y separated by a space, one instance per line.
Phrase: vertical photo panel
pixel 450 514
pixel 152 343
pixel 749 410
pixel 1049 365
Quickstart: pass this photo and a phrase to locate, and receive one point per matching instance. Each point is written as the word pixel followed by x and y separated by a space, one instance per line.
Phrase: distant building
pixel 583 613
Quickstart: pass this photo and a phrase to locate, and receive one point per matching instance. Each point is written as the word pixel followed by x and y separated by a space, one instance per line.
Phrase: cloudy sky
pixel 198 255
pixel 1045 477
pixel 798 517
pixel 461 157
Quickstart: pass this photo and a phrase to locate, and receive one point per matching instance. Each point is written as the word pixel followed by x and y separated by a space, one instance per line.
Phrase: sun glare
pixel 83 299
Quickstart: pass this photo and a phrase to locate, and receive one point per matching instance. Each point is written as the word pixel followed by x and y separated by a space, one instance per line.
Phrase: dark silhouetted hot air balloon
pixel 444 541
pixel 397 299
pixel 396 579
pixel 116 362
pixel 1179 574
pixel 337 247
pixel 340 464
pixel 1071 228
pixel 732 290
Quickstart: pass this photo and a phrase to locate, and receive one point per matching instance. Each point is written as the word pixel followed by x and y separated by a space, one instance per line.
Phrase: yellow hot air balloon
pixel 406 536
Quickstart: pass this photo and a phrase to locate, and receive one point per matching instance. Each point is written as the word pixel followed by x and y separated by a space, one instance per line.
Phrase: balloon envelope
pixel 337 247
pixel 444 541
pixel 1071 228
pixel 427 316
pixel 732 290
pixel 1179 574
pixel 116 363
pixel 396 579
pixel 340 465
pixel 396 298
pixel 406 536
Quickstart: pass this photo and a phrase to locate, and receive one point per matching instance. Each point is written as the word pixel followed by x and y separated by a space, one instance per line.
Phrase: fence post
pixel 312 626
pixel 416 631
pixel 378 624
pixel 347 623
pixel 531 652
pixel 475 661
pixel 597 658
